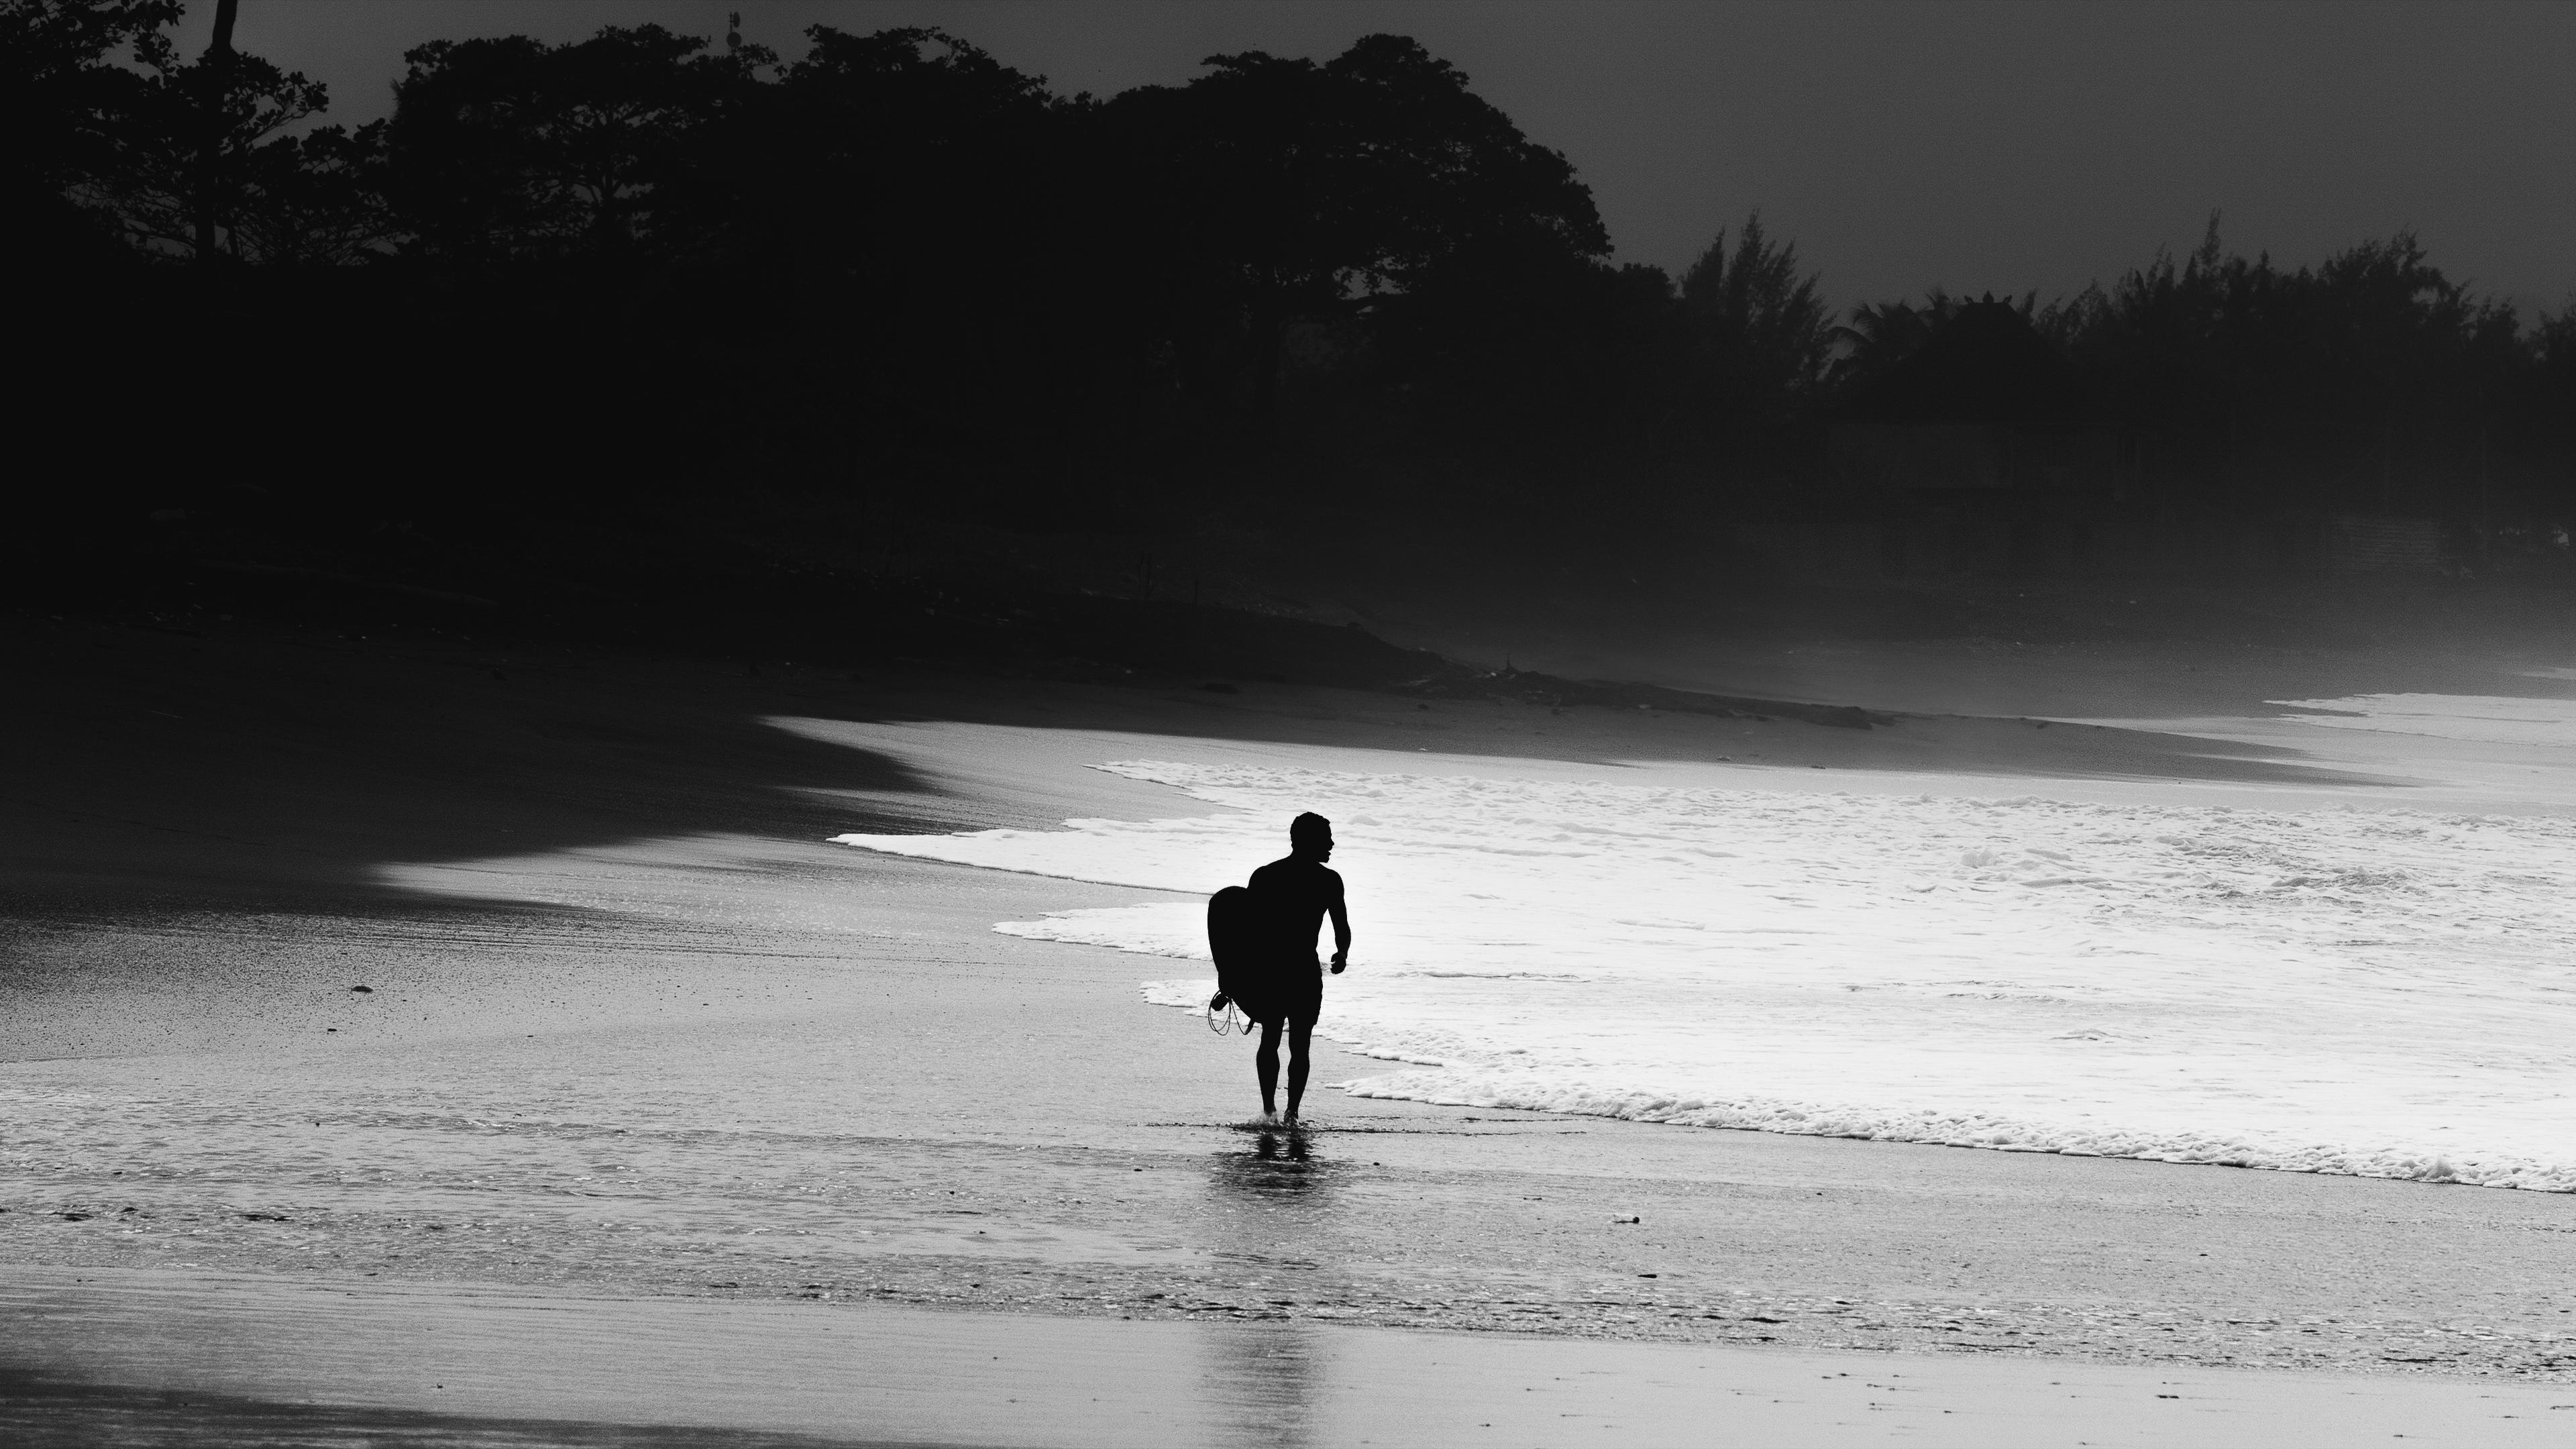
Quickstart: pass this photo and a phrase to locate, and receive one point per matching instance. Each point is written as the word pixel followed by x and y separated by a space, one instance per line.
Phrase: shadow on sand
pixel 150 772
pixel 40 1413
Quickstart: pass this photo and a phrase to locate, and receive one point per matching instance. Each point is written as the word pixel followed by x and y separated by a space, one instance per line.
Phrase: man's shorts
pixel 1296 993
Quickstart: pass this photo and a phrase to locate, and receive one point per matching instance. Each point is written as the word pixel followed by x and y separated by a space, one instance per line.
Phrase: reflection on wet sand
pixel 136 1357
pixel 1272 1199
pixel 1284 1147
pixel 1266 1377
pixel 1283 1182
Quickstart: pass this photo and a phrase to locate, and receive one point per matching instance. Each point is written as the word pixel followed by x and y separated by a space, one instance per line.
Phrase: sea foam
pixel 2381 993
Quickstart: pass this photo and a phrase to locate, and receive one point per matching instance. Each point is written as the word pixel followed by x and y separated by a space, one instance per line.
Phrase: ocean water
pixel 2374 992
pixel 2486 719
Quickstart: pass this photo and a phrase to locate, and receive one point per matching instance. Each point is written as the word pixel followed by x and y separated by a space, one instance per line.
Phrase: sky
pixel 1983 145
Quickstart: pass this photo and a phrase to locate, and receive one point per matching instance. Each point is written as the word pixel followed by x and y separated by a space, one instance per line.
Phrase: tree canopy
pixel 894 265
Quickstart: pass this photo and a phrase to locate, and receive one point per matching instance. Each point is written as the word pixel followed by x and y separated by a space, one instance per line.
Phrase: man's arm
pixel 1341 930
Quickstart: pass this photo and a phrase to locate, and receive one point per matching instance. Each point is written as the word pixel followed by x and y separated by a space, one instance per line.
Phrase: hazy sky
pixel 1902 144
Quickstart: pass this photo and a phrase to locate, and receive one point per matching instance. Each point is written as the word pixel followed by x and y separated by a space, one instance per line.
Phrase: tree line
pixel 893 269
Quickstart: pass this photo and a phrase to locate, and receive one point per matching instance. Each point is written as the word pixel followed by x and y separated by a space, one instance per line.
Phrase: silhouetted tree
pixel 897 223
pixel 1881 334
pixel 640 265
pixel 189 136
pixel 1764 333
pixel 2367 376
pixel 64 104
pixel 513 148
pixel 315 200
pixel 1297 191
pixel 214 77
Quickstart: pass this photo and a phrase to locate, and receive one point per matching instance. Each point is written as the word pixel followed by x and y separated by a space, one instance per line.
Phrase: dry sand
pixel 633 1033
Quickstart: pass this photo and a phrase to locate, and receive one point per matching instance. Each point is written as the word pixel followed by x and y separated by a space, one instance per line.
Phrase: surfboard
pixel 1234 940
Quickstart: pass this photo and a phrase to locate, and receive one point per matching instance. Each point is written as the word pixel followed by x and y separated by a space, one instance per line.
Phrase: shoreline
pixel 725 1061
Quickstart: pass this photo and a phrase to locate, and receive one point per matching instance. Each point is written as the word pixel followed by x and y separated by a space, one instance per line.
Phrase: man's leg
pixel 1300 1036
pixel 1265 1064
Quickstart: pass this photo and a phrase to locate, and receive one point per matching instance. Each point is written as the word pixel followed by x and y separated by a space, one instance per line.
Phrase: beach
pixel 635 1032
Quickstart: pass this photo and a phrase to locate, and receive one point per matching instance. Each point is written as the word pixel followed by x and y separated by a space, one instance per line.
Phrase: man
pixel 1292 897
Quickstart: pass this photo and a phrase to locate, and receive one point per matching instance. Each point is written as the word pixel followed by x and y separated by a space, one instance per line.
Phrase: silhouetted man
pixel 1293 896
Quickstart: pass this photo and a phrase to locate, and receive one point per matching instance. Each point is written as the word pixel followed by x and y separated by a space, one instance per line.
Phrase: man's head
pixel 1311 836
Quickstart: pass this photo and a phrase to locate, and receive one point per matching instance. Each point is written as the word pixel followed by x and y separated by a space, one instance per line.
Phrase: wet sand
pixel 631 1029
pixel 337 1364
